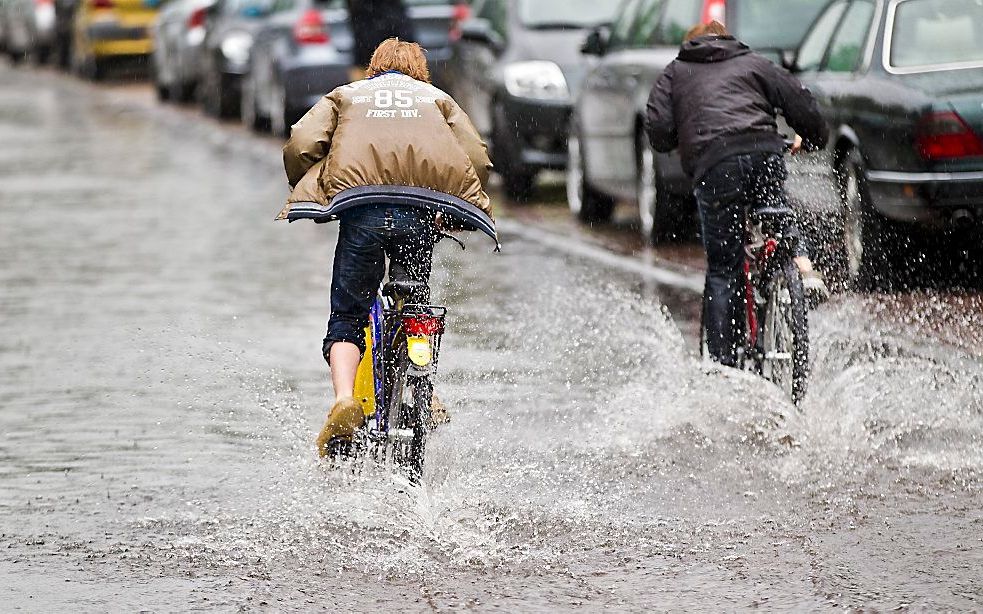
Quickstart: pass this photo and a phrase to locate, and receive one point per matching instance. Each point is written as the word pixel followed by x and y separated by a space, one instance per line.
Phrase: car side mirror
pixel 596 42
pixel 480 31
pixel 789 59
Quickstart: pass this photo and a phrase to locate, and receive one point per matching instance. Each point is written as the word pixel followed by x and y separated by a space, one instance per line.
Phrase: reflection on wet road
pixel 161 383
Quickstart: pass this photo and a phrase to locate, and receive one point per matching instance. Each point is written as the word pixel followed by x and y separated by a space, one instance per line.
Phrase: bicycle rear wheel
pixel 785 332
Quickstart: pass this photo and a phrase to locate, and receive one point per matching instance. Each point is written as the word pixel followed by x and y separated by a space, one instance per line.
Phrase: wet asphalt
pixel 160 385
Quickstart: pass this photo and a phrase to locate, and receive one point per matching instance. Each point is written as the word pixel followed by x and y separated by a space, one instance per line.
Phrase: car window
pixel 646 25
pixel 622 26
pixel 848 43
pixel 813 48
pixel 497 15
pixel 283 5
pixel 772 24
pixel 566 13
pixel 936 33
pixel 677 19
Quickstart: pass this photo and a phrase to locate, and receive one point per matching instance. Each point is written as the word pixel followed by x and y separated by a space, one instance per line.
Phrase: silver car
pixel 304 50
pixel 178 35
pixel 28 28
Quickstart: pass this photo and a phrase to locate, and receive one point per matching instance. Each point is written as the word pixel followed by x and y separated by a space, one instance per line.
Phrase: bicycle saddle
pixel 403 288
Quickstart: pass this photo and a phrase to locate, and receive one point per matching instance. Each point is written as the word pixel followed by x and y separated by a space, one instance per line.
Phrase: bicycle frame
pixel 395 327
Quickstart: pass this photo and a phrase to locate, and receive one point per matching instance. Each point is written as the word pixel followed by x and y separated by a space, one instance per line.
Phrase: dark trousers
pixel 725 195
pixel 368 234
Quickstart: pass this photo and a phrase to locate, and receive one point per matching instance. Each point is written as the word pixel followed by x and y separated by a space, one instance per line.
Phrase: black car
pixel 901 84
pixel 518 69
pixel 610 158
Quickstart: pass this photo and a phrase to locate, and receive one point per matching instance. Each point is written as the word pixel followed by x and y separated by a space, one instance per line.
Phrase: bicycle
pixel 394 380
pixel 776 329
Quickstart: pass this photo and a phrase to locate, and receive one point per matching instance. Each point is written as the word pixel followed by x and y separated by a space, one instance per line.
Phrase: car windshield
pixel 544 14
pixel 937 32
pixel 772 24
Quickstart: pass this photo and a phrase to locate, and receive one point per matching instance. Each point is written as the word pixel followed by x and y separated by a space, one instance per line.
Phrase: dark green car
pixel 901 85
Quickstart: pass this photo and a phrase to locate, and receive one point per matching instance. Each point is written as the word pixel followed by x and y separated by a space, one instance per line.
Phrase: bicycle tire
pixel 422 399
pixel 785 332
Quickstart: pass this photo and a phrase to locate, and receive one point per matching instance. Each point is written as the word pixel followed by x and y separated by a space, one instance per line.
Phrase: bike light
pixel 422 324
pixel 944 135
pixel 539 80
pixel 419 350
pixel 310 29
pixel 714 10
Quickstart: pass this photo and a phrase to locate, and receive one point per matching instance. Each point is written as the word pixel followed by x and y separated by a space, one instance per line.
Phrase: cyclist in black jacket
pixel 717 103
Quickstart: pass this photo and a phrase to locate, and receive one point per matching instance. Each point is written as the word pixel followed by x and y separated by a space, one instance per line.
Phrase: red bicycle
pixel 776 327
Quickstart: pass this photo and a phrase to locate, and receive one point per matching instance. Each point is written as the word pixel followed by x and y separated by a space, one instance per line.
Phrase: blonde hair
pixel 407 58
pixel 714 28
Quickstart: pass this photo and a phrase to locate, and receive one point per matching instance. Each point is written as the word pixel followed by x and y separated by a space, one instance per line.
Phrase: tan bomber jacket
pixel 390 130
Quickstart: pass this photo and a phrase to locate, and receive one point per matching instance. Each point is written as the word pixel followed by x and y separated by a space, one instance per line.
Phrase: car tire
pixel 518 181
pixel 249 112
pixel 654 206
pixel 162 90
pixel 279 117
pixel 863 262
pixel 41 55
pixel 216 98
pixel 586 204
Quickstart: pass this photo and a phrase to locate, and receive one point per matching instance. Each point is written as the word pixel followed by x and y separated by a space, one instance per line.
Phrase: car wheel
pixel 216 94
pixel 41 54
pixel 862 228
pixel 586 204
pixel 251 116
pixel 518 181
pixel 161 88
pixel 654 211
pixel 279 122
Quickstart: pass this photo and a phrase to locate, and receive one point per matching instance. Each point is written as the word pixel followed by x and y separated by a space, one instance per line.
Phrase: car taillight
pixel 420 325
pixel 102 4
pixel 714 10
pixel 462 12
pixel 310 29
pixel 944 135
pixel 197 18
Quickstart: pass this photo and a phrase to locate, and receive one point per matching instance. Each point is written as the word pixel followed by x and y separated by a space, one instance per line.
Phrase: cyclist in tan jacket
pixel 390 156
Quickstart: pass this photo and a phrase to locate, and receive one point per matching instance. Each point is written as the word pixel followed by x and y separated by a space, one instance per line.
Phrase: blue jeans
pixel 368 234
pixel 725 195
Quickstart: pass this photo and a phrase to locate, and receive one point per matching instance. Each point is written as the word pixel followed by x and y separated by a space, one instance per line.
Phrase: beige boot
pixel 345 418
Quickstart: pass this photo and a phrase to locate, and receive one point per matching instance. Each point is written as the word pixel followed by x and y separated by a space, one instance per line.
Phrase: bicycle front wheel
pixel 785 333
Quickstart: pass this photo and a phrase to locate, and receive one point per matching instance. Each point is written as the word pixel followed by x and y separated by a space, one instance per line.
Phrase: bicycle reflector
pixel 419 328
pixel 422 324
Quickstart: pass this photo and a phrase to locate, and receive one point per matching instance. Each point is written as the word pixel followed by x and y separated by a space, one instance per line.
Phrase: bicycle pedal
pixel 401 435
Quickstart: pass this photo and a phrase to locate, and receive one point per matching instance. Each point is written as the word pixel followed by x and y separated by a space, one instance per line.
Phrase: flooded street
pixel 161 385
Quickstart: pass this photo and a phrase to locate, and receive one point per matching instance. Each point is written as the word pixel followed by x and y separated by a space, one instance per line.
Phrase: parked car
pixel 304 50
pixel 610 157
pixel 230 26
pixel 110 30
pixel 901 84
pixel 28 29
pixel 518 68
pixel 176 61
